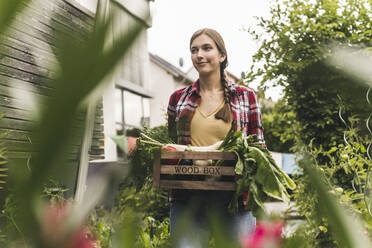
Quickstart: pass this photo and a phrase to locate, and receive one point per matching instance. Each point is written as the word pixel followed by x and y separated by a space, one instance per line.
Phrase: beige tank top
pixel 206 129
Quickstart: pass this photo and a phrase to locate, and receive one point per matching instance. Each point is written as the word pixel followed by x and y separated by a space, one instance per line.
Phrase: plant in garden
pixel 136 189
pixel 52 218
pixel 142 157
pixel 150 202
pixel 115 228
pixel 280 127
pixel 136 192
pixel 54 221
pixel 54 192
pixel 346 174
pixel 9 225
pixel 258 174
pixel 347 227
pixel 100 223
pixel 155 233
pixel 106 227
pixel 293 53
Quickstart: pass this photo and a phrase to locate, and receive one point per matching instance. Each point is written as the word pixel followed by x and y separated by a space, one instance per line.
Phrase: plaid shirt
pixel 244 108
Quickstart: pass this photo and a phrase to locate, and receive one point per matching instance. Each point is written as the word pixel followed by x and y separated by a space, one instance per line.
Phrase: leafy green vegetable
pixel 258 173
pixel 142 157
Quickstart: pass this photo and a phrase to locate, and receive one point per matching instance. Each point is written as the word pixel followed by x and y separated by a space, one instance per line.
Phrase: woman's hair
pixel 224 113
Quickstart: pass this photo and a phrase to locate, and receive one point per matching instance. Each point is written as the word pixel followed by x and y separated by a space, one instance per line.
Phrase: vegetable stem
pixel 152 143
pixel 149 138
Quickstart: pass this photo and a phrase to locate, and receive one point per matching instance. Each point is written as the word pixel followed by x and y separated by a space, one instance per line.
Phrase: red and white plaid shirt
pixel 244 107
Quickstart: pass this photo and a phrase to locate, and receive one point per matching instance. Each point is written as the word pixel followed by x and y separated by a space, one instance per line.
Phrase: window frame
pixel 124 125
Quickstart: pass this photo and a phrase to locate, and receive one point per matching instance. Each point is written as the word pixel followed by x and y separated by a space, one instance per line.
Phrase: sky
pixel 174 22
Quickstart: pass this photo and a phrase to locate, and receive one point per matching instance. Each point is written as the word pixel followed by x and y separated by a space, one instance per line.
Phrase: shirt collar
pixel 230 86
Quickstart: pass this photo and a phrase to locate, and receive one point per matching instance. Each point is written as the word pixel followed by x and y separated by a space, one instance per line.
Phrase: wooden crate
pixel 211 173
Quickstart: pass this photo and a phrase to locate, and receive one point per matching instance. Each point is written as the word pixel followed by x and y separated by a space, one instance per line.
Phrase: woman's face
pixel 205 55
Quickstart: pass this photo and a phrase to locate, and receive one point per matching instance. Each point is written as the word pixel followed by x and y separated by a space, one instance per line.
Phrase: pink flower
pixel 54 232
pixel 81 239
pixel 52 223
pixel 266 234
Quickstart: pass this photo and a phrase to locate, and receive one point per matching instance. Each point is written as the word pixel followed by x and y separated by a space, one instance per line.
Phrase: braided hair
pixel 225 112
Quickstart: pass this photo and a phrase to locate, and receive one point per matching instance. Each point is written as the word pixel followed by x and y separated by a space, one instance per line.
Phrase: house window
pixel 131 110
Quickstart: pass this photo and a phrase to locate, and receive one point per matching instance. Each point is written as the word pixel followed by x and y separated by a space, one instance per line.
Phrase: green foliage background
pixel 293 51
pixel 346 173
pixel 279 123
pixel 137 197
pixel 294 47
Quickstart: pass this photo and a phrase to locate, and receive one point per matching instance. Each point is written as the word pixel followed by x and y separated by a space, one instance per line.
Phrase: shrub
pixel 346 172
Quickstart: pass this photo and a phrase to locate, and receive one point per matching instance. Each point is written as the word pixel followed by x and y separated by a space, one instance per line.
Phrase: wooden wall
pixel 27 63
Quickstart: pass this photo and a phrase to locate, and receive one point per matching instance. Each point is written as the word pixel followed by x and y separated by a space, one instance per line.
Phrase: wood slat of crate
pixel 202 185
pixel 198 155
pixel 214 171
pixel 197 170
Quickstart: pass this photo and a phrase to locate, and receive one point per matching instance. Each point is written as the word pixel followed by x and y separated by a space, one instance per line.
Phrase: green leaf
pixel 254 192
pixel 266 176
pixel 347 229
pixel 233 205
pixel 239 165
pixel 121 141
pixel 333 149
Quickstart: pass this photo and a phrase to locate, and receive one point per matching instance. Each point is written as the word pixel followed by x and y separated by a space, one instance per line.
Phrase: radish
pixel 183 148
pixel 198 162
pixel 170 161
pixel 148 140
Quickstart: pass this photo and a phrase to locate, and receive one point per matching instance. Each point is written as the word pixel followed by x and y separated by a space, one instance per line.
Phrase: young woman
pixel 202 114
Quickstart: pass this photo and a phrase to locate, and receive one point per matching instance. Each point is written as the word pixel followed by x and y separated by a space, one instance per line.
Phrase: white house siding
pixel 132 71
pixel 162 85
